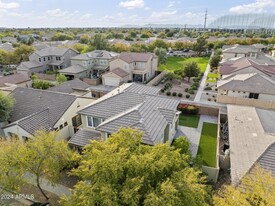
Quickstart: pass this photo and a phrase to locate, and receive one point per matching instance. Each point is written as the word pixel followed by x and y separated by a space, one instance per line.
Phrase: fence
pixel 157 79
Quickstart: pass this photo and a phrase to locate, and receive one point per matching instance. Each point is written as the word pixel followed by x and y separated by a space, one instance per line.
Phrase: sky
pixel 114 13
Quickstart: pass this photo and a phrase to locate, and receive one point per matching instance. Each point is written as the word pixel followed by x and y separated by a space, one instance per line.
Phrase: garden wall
pixel 157 79
pixel 93 82
pixel 212 173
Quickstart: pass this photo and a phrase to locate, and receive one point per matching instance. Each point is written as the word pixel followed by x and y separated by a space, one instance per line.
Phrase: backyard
pixel 176 63
pixel 208 144
pixel 189 120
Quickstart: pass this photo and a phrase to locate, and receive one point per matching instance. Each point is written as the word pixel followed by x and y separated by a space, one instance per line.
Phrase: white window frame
pixel 92 118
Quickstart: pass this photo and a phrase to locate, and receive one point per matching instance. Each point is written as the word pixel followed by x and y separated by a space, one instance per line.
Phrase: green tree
pixel 257 189
pixel 162 35
pixel 191 69
pixel 84 39
pixel 41 84
pixel 43 156
pixel 214 61
pixel 122 171
pixel 200 45
pixel 183 145
pixel 100 42
pixel 60 78
pixel 6 106
pixel 161 53
pixel 23 52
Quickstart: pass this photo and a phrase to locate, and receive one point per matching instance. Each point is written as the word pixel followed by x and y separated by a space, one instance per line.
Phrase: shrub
pixel 162 90
pixel 179 94
pixel 190 109
pixel 174 94
pixel 207 93
pixel 187 96
pixel 216 89
pixel 194 88
pixel 207 88
pixel 213 96
pixel 168 93
pixel 209 99
pixel 191 91
pixel 186 89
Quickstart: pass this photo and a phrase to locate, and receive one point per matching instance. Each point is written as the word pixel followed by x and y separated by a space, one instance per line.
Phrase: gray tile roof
pixel 74 69
pixel 70 86
pixel 36 121
pixel 14 79
pixel 253 82
pixel 97 54
pixel 144 110
pixel 54 51
pixel 247 138
pixel 31 101
pixel 120 72
pixel 102 88
pixel 83 137
pixel 243 49
pixel 267 118
pixel 30 64
pixel 130 57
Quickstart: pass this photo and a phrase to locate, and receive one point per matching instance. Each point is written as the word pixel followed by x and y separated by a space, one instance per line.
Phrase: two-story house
pixel 230 52
pixel 92 64
pixel 52 58
pixel 130 105
pixel 130 66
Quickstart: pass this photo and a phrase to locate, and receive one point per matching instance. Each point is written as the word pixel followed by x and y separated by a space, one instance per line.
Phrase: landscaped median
pixel 208 144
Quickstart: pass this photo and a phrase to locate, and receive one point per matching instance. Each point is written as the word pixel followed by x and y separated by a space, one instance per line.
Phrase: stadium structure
pixel 244 22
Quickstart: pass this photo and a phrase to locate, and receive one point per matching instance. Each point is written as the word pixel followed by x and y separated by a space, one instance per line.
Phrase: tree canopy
pixel 122 171
pixel 200 45
pixel 6 106
pixel 256 188
pixel 191 69
pixel 60 78
pixel 161 53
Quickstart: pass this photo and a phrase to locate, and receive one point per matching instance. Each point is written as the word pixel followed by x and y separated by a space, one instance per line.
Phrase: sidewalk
pixel 57 189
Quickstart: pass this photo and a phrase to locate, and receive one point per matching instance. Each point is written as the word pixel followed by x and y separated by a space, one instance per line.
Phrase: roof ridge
pixel 46 91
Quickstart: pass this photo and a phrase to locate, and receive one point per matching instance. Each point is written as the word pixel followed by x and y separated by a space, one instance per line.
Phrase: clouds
pixel 56 13
pixel 255 7
pixel 132 4
pixel 11 5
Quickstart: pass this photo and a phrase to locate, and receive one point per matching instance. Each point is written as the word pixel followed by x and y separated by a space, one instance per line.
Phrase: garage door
pixel 111 81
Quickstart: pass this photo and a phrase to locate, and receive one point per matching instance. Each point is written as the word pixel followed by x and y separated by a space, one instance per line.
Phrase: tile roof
pixel 248 140
pixel 30 64
pixel 74 69
pixel 119 72
pixel 253 82
pixel 137 108
pixel 245 49
pixel 31 101
pixel 97 54
pixel 83 137
pixel 54 51
pixel 14 79
pixel 70 86
pixel 242 63
pixel 130 57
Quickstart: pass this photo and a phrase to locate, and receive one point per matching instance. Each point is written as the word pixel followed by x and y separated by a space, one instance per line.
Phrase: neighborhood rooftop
pixel 130 57
pixel 70 86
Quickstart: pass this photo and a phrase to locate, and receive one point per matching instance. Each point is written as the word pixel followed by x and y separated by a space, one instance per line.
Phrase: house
pixel 251 140
pixel 230 52
pixel 75 71
pixel 52 58
pixel 95 62
pixel 21 80
pixel 7 47
pixel 39 109
pixel 38 45
pixel 130 105
pixel 76 87
pixel 140 68
pixel 9 39
pixel 262 65
pixel 247 89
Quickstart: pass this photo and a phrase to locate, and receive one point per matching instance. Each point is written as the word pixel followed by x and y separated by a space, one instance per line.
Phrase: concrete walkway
pixel 194 134
pixel 57 189
pixel 202 84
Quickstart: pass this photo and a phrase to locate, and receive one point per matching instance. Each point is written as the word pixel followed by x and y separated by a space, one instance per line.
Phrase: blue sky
pixel 106 13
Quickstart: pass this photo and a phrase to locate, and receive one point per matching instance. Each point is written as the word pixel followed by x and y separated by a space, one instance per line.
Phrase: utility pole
pixel 205 19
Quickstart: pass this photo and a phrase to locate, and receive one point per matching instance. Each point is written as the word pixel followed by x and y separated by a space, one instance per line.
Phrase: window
pixel 76 120
pixel 48 58
pixel 44 59
pixel 58 58
pixel 253 96
pixel 25 139
pixel 61 127
pixel 65 124
pixel 93 121
pixel 39 59
pixel 236 54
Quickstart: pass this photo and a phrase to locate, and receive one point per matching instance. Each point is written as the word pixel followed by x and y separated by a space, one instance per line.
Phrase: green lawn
pixel 208 144
pixel 176 63
pixel 189 120
pixel 211 77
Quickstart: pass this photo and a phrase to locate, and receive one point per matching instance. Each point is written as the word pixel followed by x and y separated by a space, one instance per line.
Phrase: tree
pixel 6 106
pixel 22 52
pixel 214 61
pixel 60 78
pixel 122 171
pixel 100 42
pixel 161 53
pixel 191 69
pixel 43 156
pixel 200 45
pixel 84 39
pixel 41 84
pixel 183 145
pixel 257 188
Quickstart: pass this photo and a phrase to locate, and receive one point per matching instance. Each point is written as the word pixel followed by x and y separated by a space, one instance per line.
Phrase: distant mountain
pixel 163 26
